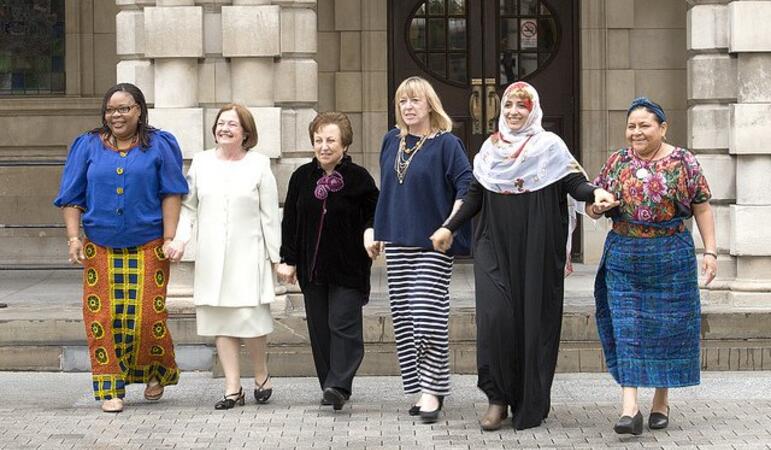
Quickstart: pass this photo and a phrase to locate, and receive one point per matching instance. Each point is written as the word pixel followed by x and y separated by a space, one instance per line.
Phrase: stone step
pixel 53 339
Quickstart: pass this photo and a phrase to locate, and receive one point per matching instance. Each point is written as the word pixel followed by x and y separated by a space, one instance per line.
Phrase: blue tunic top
pixel 408 214
pixel 121 192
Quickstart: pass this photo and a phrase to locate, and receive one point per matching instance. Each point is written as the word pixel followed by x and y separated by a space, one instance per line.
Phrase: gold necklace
pixel 404 156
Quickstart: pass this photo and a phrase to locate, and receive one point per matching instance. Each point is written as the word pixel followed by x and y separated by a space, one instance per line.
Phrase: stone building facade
pixel 708 62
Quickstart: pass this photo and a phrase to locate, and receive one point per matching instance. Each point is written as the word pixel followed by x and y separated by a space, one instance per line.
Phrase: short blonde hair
pixel 417 86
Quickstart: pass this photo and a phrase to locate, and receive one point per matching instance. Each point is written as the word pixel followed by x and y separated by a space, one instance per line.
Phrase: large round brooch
pixel 642 173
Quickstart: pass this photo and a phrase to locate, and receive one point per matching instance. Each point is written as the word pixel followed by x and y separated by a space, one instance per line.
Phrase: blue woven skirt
pixel 648 310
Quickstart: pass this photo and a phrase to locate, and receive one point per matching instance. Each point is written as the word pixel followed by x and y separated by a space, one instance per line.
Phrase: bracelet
pixel 73 239
pixel 166 238
pixel 712 254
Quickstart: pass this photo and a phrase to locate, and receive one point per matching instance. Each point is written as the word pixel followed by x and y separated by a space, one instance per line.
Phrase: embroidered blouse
pixel 652 192
pixel 120 193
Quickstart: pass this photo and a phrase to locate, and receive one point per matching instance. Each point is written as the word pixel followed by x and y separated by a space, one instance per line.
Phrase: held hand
pixel 174 250
pixel 442 239
pixel 604 201
pixel 374 248
pixel 75 252
pixel 708 268
pixel 286 274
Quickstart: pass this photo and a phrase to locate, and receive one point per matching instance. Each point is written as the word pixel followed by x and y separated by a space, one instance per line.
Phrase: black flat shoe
pixel 629 425
pixel 262 395
pixel 414 411
pixel 658 421
pixel 231 400
pixel 324 401
pixel 432 416
pixel 335 397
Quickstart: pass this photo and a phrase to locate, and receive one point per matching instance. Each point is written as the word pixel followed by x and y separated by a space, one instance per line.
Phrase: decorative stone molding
pixel 139 72
pixel 174 32
pixel 252 81
pixel 750 124
pixel 748 22
pixel 176 82
pixel 185 123
pixel 251 31
pixel 130 27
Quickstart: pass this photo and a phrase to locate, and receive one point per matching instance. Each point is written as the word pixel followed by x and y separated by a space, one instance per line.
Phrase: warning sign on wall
pixel 528 33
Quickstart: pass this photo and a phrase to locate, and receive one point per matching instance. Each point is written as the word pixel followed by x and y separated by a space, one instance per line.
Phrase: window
pixel 437 38
pixel 32 47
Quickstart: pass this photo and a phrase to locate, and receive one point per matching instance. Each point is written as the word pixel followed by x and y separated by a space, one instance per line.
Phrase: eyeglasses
pixel 119 109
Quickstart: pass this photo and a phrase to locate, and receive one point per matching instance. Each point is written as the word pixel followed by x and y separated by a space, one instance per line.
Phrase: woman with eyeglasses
pixel 124 181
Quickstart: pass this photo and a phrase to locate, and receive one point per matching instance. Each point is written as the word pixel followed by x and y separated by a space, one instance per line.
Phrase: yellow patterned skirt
pixel 124 311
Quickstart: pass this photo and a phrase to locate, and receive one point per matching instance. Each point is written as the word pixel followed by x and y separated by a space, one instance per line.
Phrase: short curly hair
pixel 333 118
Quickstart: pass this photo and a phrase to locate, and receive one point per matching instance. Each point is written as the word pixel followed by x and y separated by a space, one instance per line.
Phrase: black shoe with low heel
pixel 231 400
pixel 629 425
pixel 432 416
pixel 335 397
pixel 414 410
pixel 658 421
pixel 262 395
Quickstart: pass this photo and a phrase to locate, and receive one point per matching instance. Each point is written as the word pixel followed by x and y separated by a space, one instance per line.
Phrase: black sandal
pixel 227 402
pixel 262 395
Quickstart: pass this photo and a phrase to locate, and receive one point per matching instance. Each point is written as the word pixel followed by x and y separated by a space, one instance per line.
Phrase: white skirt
pixel 249 322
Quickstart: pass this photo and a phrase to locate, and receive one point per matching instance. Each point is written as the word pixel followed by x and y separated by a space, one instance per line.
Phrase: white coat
pixel 235 205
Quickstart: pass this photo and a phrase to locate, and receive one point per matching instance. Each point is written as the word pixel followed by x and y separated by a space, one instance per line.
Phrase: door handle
pixel 493 105
pixel 475 105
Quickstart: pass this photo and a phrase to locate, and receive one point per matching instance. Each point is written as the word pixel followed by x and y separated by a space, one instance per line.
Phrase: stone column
pixel 750 125
pixel 711 91
pixel 729 87
pixel 192 56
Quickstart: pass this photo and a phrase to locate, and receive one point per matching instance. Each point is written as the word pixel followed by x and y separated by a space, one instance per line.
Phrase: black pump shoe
pixel 414 411
pixel 231 400
pixel 629 425
pixel 335 397
pixel 432 416
pixel 658 421
pixel 262 395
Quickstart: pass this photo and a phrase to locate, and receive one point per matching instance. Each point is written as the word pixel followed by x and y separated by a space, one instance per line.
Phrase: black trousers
pixel 335 327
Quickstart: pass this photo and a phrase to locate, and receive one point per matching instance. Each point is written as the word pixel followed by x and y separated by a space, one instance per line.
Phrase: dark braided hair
pixel 144 129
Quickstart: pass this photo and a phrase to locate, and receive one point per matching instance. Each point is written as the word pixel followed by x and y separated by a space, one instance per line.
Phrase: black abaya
pixel 519 262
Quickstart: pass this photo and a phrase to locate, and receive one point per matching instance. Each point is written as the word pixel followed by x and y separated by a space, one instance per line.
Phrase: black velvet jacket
pixel 328 247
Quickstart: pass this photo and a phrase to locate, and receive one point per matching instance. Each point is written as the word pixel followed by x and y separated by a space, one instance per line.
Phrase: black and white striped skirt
pixel 418 289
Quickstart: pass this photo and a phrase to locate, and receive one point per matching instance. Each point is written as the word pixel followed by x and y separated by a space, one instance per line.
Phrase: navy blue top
pixel 408 214
pixel 120 193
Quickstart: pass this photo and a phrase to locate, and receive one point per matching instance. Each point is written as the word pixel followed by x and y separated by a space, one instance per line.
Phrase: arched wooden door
pixel 470 50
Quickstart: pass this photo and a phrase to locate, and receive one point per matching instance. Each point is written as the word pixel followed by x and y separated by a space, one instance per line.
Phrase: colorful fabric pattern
pixel 648 310
pixel 657 191
pixel 124 312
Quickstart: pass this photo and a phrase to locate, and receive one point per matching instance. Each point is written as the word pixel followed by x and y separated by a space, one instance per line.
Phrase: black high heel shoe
pixel 432 416
pixel 228 402
pixel 262 395
pixel 629 425
pixel 658 421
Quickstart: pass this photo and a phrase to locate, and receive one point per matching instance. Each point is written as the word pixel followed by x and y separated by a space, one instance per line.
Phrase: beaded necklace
pixel 404 156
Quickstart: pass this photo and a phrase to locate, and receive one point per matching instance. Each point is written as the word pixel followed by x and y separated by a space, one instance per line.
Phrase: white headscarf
pixel 525 160
pixel 528 159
